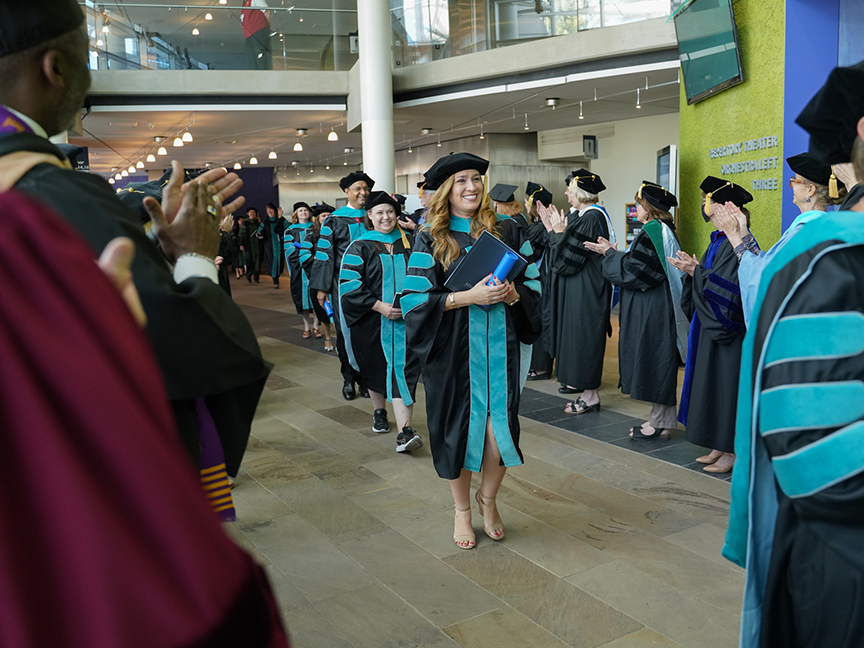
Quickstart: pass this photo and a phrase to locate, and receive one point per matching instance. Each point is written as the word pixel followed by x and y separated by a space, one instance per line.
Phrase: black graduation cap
pixel 722 191
pixel 452 164
pixel 538 193
pixel 356 176
pixel 323 208
pixel 29 23
pixel 382 198
pixel 656 196
pixel 568 180
pixel 809 168
pixel 400 198
pixel 300 204
pixel 832 116
pixel 588 181
pixel 502 193
pixel 134 193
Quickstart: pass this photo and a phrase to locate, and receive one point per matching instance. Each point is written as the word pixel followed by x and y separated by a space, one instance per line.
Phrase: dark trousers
pixel 258 54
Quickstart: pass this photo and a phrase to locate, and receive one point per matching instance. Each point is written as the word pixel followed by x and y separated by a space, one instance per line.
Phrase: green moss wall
pixel 750 110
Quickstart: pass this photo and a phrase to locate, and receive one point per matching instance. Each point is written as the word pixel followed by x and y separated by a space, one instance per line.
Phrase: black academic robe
pixel 226 251
pixel 647 340
pixel 710 389
pixel 203 343
pixel 798 477
pixel 582 298
pixel 271 245
pixel 470 357
pixel 250 239
pixel 368 274
pixel 295 237
pixel 306 259
pixel 853 197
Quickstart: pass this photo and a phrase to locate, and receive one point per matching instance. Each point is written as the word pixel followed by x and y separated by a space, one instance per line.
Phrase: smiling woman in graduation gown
pixel 471 357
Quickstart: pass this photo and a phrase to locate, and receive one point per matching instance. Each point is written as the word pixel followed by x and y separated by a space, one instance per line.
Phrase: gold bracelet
pixel 514 301
pixel 453 300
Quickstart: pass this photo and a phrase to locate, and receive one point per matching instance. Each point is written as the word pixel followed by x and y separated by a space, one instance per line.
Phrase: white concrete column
pixel 376 92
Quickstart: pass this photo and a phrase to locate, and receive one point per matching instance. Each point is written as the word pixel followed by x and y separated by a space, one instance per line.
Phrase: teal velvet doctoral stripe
pixel 413 300
pixel 323 244
pixel 822 464
pixel 478 369
pixel 305 301
pixel 320 256
pixel 380 237
pixel 421 260
pixel 352 259
pixel 810 405
pixel 387 294
pixel 348 273
pixel 534 285
pixel 814 336
pixel 526 250
pixel 326 231
pixel 497 341
pixel 356 229
pixel 531 271
pixel 400 268
pixel 416 283
pixel 349 286
pixel 400 345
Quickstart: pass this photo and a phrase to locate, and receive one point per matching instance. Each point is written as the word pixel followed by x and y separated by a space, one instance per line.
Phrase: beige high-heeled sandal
pixel 464 541
pixel 496 529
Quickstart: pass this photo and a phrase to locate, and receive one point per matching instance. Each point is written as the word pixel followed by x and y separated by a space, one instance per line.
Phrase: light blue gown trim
pixel 791 407
pixel 817 335
pixel 820 465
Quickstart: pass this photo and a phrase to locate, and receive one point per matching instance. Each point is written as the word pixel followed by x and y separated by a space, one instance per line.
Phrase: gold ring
pixel 211 210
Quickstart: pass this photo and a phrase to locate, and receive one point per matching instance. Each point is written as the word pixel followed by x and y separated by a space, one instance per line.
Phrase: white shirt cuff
pixel 195 265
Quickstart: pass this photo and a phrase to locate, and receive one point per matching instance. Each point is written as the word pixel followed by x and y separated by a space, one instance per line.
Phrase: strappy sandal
pixel 317 332
pixel 328 344
pixel 637 434
pixel 464 541
pixel 496 529
pixel 306 335
pixel 579 406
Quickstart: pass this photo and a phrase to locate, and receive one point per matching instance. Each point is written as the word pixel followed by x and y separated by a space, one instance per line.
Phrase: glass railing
pixel 207 35
pixel 322 34
pixel 428 30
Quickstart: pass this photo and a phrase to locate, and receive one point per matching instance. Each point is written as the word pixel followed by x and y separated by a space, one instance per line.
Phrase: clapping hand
pixel 729 219
pixel 684 262
pixel 601 246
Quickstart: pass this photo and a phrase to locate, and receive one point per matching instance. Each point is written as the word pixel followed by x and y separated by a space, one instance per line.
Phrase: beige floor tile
pixel 308 628
pixel 310 562
pixel 705 540
pixel 254 503
pixel 374 617
pixel 644 638
pixel 566 611
pixel 439 593
pixel 502 628
pixel 685 619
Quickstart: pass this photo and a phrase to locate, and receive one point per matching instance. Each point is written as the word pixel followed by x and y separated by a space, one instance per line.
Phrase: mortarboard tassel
pixel 833 191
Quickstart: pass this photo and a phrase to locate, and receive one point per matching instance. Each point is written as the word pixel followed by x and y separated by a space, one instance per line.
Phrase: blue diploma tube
pixel 328 308
pixel 505 265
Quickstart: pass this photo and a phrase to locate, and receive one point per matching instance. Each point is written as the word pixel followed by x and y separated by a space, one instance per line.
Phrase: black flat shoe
pixel 364 393
pixel 543 376
pixel 637 434
pixel 579 406
pixel 348 392
pixel 564 389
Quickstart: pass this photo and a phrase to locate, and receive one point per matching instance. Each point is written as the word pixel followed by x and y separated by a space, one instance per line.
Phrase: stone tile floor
pixel 609 542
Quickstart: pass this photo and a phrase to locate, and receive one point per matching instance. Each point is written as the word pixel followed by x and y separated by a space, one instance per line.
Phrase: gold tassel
pixel 404 238
pixel 423 186
pixel 639 193
pixel 833 191
pixel 708 204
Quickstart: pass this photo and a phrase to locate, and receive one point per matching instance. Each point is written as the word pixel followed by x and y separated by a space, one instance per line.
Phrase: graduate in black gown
pixel 653 333
pixel 470 357
pixel 712 300
pixel 537 196
pixel 796 519
pixel 295 235
pixel 370 281
pixel 582 294
pixel 273 230
pixel 306 258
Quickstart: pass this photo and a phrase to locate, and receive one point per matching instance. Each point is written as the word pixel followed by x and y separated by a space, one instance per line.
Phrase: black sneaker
pixel 379 421
pixel 408 440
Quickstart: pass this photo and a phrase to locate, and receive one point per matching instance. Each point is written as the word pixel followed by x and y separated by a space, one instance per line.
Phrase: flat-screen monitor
pixel 708 48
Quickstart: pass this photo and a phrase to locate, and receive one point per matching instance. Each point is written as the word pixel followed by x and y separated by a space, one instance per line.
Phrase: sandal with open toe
pixel 307 335
pixel 316 332
pixel 579 406
pixel 637 433
pixel 464 540
pixel 496 529
pixel 328 344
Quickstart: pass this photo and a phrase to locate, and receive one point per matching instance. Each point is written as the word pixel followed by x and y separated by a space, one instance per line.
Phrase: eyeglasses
pixel 794 181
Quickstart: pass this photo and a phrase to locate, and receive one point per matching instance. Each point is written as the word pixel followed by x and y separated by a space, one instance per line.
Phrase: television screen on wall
pixel 708 48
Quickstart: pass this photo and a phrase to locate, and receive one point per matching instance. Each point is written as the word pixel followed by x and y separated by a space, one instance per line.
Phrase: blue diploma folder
pixel 483 259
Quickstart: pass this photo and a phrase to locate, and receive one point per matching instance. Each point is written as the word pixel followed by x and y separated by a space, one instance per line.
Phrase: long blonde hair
pixel 444 246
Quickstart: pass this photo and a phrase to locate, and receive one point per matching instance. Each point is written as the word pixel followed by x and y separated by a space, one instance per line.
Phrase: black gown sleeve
pixel 717 296
pixel 526 313
pixel 423 298
pixel 332 242
pixel 567 250
pixel 637 269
